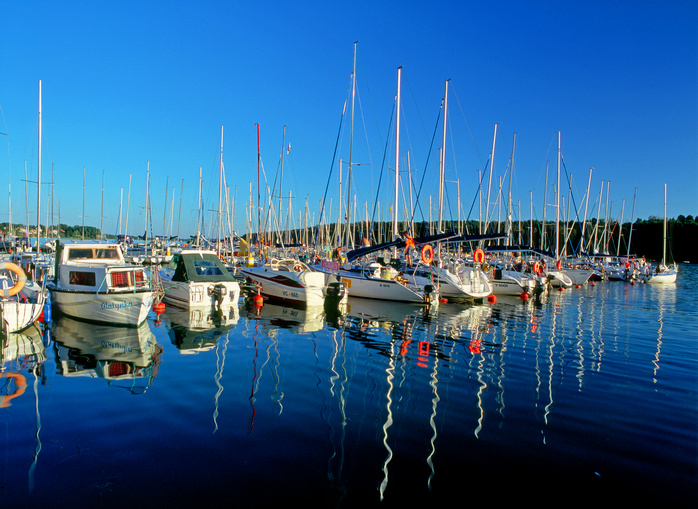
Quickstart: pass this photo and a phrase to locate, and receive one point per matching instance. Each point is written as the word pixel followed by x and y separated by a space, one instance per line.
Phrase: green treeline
pixel 645 239
pixel 63 231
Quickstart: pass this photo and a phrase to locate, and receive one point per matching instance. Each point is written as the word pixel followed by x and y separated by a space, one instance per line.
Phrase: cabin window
pixel 80 254
pixel 119 279
pixel 207 268
pixel 109 254
pixel 82 278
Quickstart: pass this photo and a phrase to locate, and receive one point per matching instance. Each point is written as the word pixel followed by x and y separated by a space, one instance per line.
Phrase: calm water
pixel 587 395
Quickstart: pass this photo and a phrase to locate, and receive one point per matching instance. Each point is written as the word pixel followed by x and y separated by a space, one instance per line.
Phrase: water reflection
pixel 391 401
pixel 24 352
pixel 198 329
pixel 103 351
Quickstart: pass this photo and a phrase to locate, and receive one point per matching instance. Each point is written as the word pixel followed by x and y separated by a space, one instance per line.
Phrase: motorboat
pixel 94 283
pixel 457 281
pixel 291 281
pixel 197 277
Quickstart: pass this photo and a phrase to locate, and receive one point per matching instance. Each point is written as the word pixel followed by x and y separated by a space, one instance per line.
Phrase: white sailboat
pixel 663 273
pixel 374 280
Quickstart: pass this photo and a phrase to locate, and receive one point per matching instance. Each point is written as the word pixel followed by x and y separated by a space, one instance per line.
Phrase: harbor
pixel 588 391
pixel 348 255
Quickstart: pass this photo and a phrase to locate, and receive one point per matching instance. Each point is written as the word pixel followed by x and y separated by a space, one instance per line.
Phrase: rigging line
pixel 466 123
pixel 380 177
pixel 426 164
pixel 327 186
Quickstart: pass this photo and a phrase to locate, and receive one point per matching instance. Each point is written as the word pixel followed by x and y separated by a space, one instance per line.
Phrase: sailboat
pixel 662 274
pixel 22 297
pixel 373 279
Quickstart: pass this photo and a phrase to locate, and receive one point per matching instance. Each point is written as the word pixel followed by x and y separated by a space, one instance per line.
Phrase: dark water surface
pixel 589 395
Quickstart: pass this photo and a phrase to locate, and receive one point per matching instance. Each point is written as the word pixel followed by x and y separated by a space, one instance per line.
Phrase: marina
pixel 463 283
pixel 586 393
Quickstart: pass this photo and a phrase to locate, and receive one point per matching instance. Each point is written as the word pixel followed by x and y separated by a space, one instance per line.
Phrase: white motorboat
pixel 458 281
pixel 95 284
pixel 290 281
pixel 512 282
pixel 21 300
pixel 197 277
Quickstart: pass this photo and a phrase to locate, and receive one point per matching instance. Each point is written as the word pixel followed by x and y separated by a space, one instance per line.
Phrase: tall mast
pixel 220 196
pixel 179 213
pixel 259 198
pixel 632 217
pixel 351 147
pixel 38 185
pixel 281 180
pixel 664 237
pixel 586 207
pixel 557 203
pixel 198 214
pixel 489 181
pixel 101 212
pixel 509 203
pixel 128 202
pixel 442 161
pixel 397 152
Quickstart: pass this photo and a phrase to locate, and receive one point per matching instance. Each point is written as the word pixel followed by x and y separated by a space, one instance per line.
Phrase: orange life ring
pixel 427 254
pixel 558 264
pixel 479 256
pixel 536 267
pixel 22 279
pixel 21 386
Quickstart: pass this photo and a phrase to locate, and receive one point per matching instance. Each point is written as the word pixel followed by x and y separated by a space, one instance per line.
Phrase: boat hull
pixel 303 289
pixel 129 309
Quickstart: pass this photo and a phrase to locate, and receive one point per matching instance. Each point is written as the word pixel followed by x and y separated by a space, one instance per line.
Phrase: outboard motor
pixel 336 291
pixel 219 292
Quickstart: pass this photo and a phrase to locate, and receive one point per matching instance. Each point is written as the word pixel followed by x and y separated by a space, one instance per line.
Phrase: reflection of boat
pixel 22 346
pixel 380 310
pixel 94 283
pixel 197 277
pixel 308 319
pixel 105 351
pixel 198 329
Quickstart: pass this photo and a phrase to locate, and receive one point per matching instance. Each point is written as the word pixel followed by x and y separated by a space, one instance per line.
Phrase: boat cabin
pixel 96 266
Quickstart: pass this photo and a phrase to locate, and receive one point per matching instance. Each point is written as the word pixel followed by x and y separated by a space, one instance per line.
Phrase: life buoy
pixel 479 256
pixel 21 386
pixel 558 264
pixel 21 279
pixel 427 254
pixel 536 267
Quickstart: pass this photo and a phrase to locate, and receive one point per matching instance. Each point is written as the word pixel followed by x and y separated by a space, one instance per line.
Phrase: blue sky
pixel 127 85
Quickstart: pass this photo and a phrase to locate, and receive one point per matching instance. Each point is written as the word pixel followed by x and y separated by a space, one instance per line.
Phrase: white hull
pixel 579 276
pixel 469 284
pixel 511 285
pixel 666 277
pixel 193 294
pixel 371 287
pixel 559 279
pixel 20 312
pixel 303 288
pixel 129 309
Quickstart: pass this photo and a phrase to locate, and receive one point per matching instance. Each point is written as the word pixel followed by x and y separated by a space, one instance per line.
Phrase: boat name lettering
pixel 116 305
